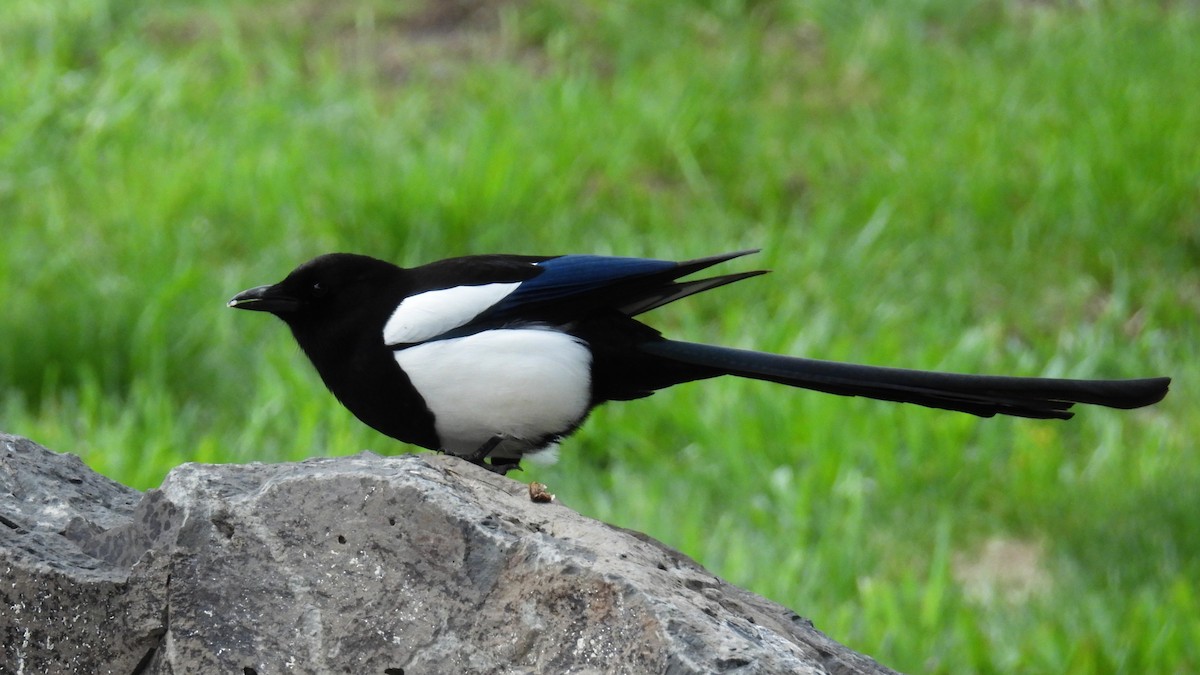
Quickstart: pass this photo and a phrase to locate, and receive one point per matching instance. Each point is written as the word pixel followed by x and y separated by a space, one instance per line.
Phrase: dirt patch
pixel 389 41
pixel 1008 570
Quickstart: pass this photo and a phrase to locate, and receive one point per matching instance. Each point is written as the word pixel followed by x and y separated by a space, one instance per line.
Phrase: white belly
pixel 520 384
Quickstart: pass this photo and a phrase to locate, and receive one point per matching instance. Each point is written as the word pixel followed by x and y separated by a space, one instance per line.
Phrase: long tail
pixel 983 395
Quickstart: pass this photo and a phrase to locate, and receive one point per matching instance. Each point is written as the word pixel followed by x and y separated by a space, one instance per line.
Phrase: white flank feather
pixel 520 384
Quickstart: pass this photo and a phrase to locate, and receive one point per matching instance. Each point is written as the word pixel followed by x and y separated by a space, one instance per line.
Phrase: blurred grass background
pixel 1005 186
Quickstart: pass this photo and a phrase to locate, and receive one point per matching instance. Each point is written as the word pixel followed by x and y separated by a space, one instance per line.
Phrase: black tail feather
pixel 983 395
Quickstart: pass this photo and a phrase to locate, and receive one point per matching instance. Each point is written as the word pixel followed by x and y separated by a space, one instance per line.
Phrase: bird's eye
pixel 319 289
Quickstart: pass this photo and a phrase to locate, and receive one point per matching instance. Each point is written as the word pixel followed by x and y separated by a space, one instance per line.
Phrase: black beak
pixel 265 299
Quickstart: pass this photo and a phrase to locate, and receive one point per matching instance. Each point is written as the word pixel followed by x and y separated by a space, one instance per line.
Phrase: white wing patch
pixel 521 384
pixel 427 315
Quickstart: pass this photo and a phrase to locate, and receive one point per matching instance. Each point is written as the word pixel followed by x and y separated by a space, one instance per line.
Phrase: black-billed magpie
pixel 500 356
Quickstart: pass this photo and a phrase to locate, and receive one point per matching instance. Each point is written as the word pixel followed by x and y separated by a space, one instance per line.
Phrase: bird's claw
pixel 496 465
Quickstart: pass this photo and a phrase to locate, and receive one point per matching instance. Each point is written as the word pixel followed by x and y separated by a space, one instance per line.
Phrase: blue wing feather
pixel 570 275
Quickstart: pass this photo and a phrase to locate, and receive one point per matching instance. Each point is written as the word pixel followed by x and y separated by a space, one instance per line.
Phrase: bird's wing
pixel 475 293
pixel 571 286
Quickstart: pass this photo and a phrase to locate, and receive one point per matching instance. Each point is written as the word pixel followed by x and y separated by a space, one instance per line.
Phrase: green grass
pixel 992 186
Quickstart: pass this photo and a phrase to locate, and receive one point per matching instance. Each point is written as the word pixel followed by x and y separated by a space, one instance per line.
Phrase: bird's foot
pixel 503 466
pixel 496 464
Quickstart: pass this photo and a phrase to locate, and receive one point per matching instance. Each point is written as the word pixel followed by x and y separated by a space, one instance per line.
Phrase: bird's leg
pixel 483 451
pixel 496 465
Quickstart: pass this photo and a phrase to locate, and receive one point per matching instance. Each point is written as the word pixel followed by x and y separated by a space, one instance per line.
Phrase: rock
pixel 367 564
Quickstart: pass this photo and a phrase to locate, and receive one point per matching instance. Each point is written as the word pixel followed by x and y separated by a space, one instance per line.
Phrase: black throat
pixel 348 352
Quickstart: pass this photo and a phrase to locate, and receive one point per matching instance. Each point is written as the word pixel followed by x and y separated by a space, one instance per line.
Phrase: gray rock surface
pixel 367 564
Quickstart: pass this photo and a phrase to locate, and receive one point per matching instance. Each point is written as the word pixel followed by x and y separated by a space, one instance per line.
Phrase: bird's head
pixel 321 289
